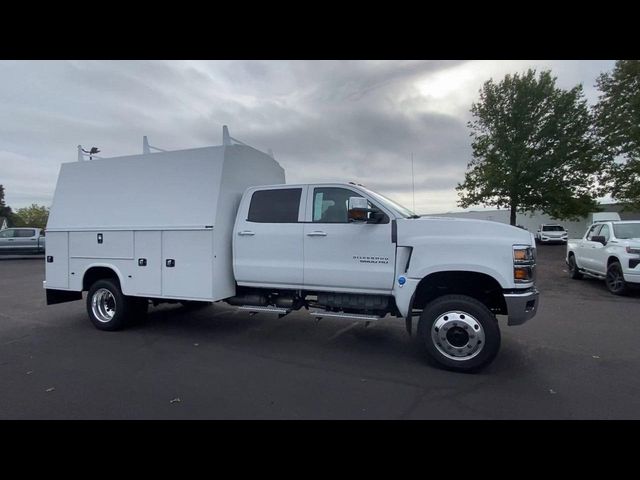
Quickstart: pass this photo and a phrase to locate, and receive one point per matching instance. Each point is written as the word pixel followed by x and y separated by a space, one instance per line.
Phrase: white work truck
pixel 220 224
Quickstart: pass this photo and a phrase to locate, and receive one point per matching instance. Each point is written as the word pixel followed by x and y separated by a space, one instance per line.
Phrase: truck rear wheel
pixel 459 333
pixel 107 307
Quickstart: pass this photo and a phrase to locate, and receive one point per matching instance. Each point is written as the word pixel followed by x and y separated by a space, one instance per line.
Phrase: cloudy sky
pixel 325 120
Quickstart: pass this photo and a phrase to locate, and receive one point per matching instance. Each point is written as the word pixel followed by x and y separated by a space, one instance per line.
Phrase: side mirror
pixel 358 209
pixel 600 239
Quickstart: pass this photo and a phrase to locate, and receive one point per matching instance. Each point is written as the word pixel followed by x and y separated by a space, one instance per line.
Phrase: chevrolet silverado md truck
pixel 220 224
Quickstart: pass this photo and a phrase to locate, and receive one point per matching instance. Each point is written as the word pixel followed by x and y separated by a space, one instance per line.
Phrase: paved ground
pixel 577 359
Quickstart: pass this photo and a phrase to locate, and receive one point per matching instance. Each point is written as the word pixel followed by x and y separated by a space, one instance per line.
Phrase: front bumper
pixel 553 240
pixel 521 306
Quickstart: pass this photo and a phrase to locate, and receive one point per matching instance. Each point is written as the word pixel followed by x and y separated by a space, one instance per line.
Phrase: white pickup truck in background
pixel 609 250
pixel 22 241
pixel 220 224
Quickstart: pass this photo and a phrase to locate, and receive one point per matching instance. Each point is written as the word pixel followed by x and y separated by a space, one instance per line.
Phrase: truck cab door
pixel 587 246
pixel 267 237
pixel 7 240
pixel 599 251
pixel 344 255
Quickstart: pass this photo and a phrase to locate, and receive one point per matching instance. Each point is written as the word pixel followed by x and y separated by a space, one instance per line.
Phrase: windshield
pixel 553 228
pixel 396 207
pixel 627 230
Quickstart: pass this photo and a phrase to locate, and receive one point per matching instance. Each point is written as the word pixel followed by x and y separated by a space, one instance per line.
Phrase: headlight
pixel 524 262
pixel 633 250
pixel 524 254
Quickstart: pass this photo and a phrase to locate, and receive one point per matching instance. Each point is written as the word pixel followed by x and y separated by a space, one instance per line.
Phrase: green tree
pixel 533 147
pixel 33 216
pixel 617 115
pixel 5 211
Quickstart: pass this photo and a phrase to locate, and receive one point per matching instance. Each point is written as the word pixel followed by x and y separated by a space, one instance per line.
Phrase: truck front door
pixel 7 241
pixel 267 238
pixel 343 255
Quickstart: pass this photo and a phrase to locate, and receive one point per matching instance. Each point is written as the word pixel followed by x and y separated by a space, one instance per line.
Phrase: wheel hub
pixel 103 305
pixel 458 335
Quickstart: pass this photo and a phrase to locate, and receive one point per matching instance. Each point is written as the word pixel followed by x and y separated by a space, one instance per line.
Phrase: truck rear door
pixel 340 255
pixel 26 241
pixel 267 237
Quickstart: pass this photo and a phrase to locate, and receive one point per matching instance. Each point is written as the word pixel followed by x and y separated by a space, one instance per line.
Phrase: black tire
pixel 573 268
pixel 467 311
pixel 120 305
pixel 615 279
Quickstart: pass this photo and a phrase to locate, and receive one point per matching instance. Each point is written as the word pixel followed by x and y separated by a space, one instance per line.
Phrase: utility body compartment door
pixel 147 279
pixel 187 264
pixel 57 260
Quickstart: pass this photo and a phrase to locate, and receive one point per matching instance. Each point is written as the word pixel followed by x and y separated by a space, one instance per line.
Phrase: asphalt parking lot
pixel 577 359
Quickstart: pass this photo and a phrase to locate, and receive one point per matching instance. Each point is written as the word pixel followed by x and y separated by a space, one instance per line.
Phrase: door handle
pixel 10 239
pixel 316 234
pixel 246 232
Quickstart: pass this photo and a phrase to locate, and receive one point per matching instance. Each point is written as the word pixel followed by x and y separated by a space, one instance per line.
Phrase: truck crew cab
pixel 220 224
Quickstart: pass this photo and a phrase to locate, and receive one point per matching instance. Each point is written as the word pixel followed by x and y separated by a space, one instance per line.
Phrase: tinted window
pixel 275 206
pixel 604 232
pixel 25 233
pixel 6 233
pixel 553 228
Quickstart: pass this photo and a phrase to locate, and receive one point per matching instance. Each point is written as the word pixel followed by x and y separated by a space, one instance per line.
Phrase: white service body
pixel 156 207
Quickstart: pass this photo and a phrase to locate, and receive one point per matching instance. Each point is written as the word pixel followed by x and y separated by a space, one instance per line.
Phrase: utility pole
pixel 413 185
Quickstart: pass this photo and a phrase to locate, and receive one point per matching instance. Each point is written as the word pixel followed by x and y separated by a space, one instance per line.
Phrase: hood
pixel 463 228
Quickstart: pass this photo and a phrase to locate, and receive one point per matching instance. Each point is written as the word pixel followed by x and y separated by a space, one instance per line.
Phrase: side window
pixel 331 204
pixel 605 232
pixel 25 233
pixel 594 231
pixel 275 206
pixel 8 233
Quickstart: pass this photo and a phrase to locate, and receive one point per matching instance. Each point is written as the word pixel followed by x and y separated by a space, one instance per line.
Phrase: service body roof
pixel 192 188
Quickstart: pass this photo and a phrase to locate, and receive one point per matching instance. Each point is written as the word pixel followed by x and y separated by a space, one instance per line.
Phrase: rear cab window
pixel 281 205
pixel 26 233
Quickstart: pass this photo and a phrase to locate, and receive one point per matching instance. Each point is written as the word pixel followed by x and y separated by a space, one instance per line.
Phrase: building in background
pixel 533 221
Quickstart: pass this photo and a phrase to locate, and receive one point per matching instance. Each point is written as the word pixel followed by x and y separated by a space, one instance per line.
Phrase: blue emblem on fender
pixel 401 281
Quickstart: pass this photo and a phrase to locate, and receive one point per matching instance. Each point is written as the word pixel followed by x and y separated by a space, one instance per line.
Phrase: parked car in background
pixel 22 241
pixel 610 251
pixel 548 233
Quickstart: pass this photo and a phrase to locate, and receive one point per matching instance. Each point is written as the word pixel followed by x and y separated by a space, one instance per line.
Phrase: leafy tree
pixel 617 115
pixel 5 211
pixel 33 216
pixel 533 147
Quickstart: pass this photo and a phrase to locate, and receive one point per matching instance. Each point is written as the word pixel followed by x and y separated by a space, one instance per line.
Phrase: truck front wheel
pixel 107 307
pixel 459 333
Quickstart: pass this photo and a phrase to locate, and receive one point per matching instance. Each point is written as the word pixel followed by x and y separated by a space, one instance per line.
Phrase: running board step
pixel 256 309
pixel 348 316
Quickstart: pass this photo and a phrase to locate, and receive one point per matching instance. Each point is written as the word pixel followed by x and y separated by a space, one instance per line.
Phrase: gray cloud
pixel 325 120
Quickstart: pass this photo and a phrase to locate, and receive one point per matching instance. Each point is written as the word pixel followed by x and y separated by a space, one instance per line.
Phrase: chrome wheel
pixel 103 305
pixel 458 335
